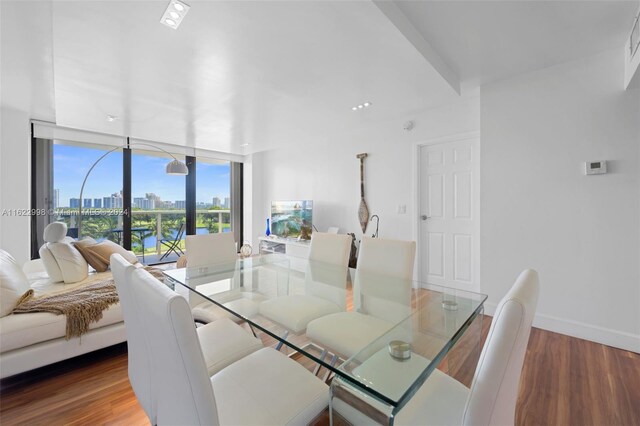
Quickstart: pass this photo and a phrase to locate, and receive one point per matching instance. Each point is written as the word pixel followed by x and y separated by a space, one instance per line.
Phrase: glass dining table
pixel 378 338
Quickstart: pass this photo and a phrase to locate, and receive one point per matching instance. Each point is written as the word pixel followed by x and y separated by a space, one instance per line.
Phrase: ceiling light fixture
pixel 244 144
pixel 111 118
pixel 174 14
pixel 361 106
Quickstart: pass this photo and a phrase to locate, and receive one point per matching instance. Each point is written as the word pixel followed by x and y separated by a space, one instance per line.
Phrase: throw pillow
pixel 13 283
pixel 98 254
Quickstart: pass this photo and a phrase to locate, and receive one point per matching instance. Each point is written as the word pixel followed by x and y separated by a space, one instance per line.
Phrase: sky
pixel 71 163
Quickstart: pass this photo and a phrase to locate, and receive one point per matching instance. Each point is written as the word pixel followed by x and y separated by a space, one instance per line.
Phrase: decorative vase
pixel 268 231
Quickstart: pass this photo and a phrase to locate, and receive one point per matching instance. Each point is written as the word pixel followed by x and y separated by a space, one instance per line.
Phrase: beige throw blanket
pixel 82 306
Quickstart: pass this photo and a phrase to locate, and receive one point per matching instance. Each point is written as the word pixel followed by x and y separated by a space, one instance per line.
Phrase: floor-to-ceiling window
pixel 158 207
pixel 102 195
pixel 213 196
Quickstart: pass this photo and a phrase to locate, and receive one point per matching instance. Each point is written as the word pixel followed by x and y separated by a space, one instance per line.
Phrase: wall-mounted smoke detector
pixel 174 14
pixel 408 126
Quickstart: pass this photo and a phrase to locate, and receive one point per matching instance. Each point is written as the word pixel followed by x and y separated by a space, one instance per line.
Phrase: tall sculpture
pixel 363 210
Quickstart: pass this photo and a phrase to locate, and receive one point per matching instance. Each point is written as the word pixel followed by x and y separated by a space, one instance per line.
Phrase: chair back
pixel 139 355
pixel 210 249
pixel 393 258
pixel 494 391
pixel 180 381
pixel 383 281
pixel 330 248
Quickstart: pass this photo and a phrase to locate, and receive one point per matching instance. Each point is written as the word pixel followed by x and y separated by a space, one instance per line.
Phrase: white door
pixel 448 214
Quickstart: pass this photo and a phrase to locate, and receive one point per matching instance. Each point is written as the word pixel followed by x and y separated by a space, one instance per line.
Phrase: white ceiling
pixel 271 73
pixel 234 72
pixel 484 41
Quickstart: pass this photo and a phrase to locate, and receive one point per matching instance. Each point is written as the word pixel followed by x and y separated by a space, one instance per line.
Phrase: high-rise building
pixel 56 198
pixel 144 203
pixel 216 202
pixel 97 203
pixel 86 203
pixel 113 202
pixel 226 203
pixel 74 203
pixel 180 204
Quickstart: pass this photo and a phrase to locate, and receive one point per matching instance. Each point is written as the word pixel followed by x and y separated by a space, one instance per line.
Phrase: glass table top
pixel 359 316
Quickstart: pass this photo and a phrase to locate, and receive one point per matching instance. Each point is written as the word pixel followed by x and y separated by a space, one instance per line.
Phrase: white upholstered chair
pixel 382 297
pixel 324 287
pixel 210 249
pixel 494 391
pixel 264 387
pixel 223 342
pixel 207 250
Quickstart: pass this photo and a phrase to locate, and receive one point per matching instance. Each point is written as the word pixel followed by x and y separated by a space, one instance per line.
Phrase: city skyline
pixel 71 163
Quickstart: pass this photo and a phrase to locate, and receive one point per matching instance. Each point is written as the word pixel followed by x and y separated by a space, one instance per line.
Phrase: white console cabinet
pixel 296 250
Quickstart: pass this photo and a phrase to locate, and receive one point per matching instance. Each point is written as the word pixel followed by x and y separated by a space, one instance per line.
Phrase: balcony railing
pixel 149 227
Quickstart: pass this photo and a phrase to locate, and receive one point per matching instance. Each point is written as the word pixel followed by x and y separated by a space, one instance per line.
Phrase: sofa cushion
pixel 63 262
pixel 13 283
pixel 98 254
pixel 21 330
pixel 55 232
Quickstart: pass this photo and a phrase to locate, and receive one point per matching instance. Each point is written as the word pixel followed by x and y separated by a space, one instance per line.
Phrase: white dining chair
pixel 210 250
pixel 382 298
pixel 265 387
pixel 492 398
pixel 324 287
pixel 223 342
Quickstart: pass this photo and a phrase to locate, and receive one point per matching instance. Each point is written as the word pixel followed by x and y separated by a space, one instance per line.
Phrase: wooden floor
pixel 565 381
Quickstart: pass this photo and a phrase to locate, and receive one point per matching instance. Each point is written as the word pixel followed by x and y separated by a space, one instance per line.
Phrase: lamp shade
pixel 176 167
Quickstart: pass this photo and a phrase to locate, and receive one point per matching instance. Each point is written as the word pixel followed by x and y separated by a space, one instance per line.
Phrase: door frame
pixel 475 137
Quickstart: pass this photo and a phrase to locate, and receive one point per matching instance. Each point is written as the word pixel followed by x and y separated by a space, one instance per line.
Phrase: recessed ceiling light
pixel 361 106
pixel 170 17
pixel 111 118
pixel 244 144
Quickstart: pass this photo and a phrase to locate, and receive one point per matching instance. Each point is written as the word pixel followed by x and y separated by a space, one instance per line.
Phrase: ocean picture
pixel 292 219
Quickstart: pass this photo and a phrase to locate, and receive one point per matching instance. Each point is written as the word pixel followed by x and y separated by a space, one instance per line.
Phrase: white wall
pixel 538 208
pixel 329 173
pixel 26 93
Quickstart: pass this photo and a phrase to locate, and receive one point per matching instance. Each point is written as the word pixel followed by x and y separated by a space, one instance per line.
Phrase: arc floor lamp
pixel 174 167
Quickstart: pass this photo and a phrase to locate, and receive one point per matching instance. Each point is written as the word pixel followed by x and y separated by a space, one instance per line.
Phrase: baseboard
pixel 581 330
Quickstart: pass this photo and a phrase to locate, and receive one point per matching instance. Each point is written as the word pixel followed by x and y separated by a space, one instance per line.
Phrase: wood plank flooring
pixel 565 381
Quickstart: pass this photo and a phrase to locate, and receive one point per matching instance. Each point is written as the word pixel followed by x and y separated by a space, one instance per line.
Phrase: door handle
pixel 424 217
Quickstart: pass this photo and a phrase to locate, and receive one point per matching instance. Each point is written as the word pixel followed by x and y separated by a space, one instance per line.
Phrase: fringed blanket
pixel 82 306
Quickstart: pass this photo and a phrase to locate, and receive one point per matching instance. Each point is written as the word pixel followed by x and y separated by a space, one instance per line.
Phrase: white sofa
pixel 33 340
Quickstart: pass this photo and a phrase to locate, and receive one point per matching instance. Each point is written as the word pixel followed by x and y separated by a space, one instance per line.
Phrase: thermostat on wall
pixel 595 167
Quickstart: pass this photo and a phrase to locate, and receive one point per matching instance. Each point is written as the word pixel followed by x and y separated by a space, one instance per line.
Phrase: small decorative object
pixel 246 250
pixel 377 218
pixel 353 257
pixel 363 210
pixel 449 305
pixel 268 231
pixel 400 350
